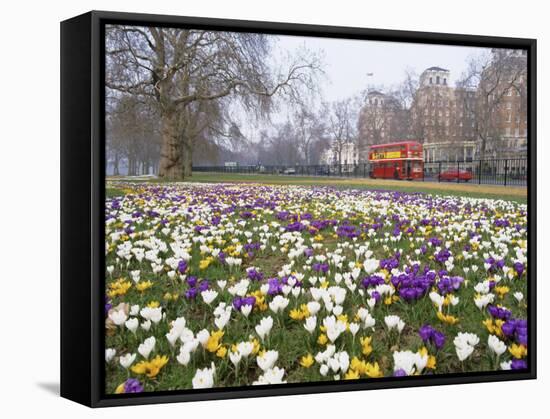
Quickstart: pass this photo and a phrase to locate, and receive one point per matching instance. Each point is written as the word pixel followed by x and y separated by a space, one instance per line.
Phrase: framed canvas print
pixel 258 209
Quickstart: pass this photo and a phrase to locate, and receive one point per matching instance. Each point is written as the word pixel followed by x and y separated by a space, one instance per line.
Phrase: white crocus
pixel 410 362
pixel 278 303
pixel 246 309
pixel 222 320
pixel 203 336
pixel 311 324
pixel 371 265
pixel 127 360
pixel 245 348
pixel 204 378
pixel 483 300
pixel 147 347
pixel 267 360
pixel 354 328
pixel 465 344
pixel 118 317
pixel 153 314
pixel 437 299
pixel 209 296
pixel 334 327
pixel 109 354
pixel 496 345
pixel 184 356
pixel 394 322
pixel 313 307
pixel 235 357
pixel 132 324
pixel 271 376
pixel 264 327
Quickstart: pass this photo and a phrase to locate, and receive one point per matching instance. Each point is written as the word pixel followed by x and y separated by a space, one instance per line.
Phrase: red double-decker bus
pixel 400 160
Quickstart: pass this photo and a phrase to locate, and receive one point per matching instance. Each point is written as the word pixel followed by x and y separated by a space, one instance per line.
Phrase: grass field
pixel 518 194
pixel 267 280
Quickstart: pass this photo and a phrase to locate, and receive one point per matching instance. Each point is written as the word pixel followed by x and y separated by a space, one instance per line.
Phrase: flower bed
pixel 213 285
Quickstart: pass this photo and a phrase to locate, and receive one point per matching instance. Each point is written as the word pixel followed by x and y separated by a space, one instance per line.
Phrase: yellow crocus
pixel 366 347
pixel 307 361
pixel 373 370
pixel 447 318
pixel 351 375
pixel 518 351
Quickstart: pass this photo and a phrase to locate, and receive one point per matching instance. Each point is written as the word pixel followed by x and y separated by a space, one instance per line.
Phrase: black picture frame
pixel 83 196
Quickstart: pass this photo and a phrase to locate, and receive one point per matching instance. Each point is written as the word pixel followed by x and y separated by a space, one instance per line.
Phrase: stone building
pixel 441 118
pixel 349 155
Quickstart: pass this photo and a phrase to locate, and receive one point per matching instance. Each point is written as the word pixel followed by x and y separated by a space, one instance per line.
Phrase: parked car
pixel 455 175
pixel 289 171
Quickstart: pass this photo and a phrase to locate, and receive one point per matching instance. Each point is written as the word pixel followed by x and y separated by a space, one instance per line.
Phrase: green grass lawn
pixel 517 194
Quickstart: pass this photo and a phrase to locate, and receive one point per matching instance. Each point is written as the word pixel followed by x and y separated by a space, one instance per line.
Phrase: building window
pixel 431 81
pixel 444 80
pixel 437 80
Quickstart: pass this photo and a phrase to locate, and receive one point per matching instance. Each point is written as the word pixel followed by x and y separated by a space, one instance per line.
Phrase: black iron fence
pixel 507 172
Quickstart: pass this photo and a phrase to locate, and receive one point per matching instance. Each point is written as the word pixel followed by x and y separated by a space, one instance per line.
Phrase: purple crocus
pixel 448 284
pixel 320 267
pixel 519 364
pixel 182 266
pixel 238 302
pixel 203 285
pixel 275 287
pixel 108 305
pixel 254 275
pixel 376 295
pixel 372 281
pixel 132 385
pixel 430 335
pixel 191 281
pixel 519 268
pixel 516 329
pixel 498 312
pixel 191 293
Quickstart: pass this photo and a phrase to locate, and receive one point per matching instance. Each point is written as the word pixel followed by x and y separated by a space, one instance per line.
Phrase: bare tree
pixel 494 76
pixel 180 67
pixel 341 125
pixel 308 128
pixel 132 136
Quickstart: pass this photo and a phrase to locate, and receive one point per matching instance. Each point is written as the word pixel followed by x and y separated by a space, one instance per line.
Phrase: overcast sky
pixel 347 64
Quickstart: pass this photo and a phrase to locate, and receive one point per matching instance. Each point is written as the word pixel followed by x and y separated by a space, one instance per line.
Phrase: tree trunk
pixel 187 157
pixel 116 170
pixel 170 165
pixel 130 166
